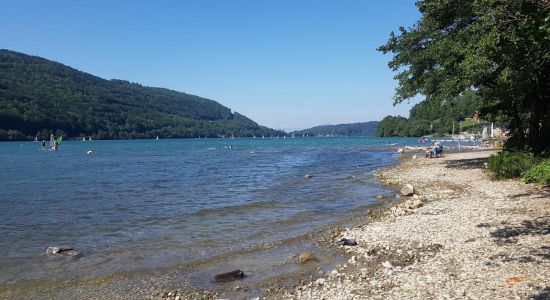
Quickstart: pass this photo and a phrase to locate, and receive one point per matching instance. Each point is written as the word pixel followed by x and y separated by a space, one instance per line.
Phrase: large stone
pixel 380 197
pixel 305 257
pixel 62 251
pixel 53 250
pixel 400 150
pixel 347 242
pixel 229 276
pixel 407 190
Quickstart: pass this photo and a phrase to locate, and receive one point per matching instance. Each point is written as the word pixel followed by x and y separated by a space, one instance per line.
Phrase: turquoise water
pixel 150 204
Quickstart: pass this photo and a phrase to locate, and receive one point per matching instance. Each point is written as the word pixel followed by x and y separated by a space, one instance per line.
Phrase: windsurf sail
pixel 52 140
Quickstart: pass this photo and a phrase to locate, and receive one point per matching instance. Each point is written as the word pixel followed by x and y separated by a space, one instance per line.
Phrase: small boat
pixel 84 138
pixel 158 137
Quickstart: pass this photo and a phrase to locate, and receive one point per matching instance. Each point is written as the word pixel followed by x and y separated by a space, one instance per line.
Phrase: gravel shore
pixel 461 236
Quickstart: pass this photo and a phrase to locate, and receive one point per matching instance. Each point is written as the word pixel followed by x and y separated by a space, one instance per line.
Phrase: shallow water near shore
pixel 191 207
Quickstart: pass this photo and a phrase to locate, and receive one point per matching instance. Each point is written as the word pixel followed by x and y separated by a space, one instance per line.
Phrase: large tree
pixel 499 48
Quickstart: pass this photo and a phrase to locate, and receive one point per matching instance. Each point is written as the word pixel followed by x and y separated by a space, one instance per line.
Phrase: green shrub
pixel 509 164
pixel 539 173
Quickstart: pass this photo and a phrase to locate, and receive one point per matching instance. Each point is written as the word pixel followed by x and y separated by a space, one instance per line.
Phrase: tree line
pixel 432 118
pixel 498 49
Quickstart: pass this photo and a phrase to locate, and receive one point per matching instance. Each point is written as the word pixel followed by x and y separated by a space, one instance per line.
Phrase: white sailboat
pixel 158 137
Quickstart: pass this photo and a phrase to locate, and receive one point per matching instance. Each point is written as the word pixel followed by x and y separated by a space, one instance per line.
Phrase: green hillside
pixel 38 96
pixel 361 129
pixel 431 117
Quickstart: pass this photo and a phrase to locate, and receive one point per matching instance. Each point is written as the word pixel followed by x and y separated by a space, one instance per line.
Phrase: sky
pixel 285 64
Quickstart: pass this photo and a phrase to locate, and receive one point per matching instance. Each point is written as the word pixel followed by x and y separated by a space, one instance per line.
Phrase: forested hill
pixel 435 118
pixel 362 129
pixel 38 96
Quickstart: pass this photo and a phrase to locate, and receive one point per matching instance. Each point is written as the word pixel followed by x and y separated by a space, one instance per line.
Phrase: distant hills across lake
pixel 352 129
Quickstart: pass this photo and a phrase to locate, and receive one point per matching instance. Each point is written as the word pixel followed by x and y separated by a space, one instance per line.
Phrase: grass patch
pixel 507 164
pixel 539 173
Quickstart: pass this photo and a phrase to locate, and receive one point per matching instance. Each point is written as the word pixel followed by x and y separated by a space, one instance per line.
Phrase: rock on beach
pixel 407 190
pixel 229 276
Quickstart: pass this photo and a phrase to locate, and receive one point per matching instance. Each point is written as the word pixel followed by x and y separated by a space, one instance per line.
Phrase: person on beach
pixel 434 150
pixel 429 150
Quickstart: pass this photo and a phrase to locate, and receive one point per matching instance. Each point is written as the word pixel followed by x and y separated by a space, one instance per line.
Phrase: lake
pixel 149 205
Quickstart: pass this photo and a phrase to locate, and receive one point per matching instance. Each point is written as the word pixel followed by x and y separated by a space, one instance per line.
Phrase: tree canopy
pixel 429 117
pixel 38 96
pixel 497 48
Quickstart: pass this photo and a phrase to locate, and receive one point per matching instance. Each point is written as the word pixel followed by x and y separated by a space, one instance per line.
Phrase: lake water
pixel 145 205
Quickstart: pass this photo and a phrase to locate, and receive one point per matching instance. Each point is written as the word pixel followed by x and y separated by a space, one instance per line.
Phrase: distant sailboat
pixel 90 139
pixel 158 137
pixel 36 138
pixel 84 138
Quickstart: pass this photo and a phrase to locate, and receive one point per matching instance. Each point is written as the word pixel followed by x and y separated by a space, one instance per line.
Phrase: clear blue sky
pixel 285 64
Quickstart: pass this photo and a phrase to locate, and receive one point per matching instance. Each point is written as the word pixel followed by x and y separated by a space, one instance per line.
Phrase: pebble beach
pixel 461 235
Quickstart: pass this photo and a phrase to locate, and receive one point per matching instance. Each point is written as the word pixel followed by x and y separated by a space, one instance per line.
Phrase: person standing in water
pixel 43 144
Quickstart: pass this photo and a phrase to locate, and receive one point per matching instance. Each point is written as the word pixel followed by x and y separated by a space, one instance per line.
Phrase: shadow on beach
pixel 537 193
pixel 467 164
pixel 510 233
pixel 543 295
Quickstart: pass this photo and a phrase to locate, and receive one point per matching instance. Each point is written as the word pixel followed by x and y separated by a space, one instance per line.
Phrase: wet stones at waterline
pixel 65 251
pixel 229 276
pixel 305 257
pixel 347 242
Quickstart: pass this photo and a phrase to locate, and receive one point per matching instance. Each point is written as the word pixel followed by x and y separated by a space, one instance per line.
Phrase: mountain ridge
pixel 38 96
